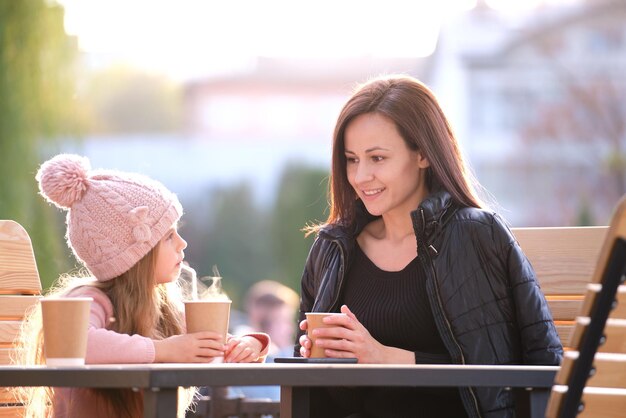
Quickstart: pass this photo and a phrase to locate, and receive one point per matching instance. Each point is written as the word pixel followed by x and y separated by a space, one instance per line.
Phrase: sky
pixel 185 39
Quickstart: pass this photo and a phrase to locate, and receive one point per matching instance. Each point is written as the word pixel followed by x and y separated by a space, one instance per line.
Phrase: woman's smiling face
pixel 384 172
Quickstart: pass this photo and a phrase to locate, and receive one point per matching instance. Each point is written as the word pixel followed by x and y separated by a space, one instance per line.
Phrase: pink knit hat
pixel 114 219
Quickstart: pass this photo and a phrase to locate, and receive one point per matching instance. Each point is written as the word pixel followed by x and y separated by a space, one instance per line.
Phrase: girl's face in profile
pixel 169 256
pixel 383 171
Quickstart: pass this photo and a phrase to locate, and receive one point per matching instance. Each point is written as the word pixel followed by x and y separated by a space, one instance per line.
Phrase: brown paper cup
pixel 314 320
pixel 208 315
pixel 65 323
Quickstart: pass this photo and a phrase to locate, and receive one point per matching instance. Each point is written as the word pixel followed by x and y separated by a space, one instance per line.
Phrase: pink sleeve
pixel 106 346
pixel 263 338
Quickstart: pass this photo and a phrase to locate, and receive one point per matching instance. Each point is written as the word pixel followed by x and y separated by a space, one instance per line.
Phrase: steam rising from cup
pixel 201 288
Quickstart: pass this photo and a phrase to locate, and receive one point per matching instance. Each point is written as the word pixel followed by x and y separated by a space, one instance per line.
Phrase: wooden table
pixel 160 381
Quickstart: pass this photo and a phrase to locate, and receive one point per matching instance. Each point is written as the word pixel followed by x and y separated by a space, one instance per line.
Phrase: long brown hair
pixel 140 306
pixel 423 126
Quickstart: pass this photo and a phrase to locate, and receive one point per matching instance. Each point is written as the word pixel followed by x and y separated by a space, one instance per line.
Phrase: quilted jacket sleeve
pixel 540 342
pixel 307 292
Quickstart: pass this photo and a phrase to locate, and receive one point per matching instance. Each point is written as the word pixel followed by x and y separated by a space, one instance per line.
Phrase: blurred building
pixel 288 99
pixel 518 90
pixel 536 104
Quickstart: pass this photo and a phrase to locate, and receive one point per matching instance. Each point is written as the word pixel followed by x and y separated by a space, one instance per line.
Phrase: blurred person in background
pixel 271 307
pixel 422 270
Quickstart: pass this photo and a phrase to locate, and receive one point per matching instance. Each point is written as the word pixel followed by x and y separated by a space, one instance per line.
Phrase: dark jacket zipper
pixel 442 325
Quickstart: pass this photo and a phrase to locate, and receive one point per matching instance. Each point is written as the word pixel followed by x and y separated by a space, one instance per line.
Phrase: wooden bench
pixel 20 289
pixel 564 260
pixel 592 380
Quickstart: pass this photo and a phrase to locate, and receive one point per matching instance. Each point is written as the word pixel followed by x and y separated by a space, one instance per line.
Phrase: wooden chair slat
pixel 556 400
pixel 598 402
pixel 7 396
pixel 593 289
pixel 11 411
pixel 8 331
pixel 615 332
pixel 565 309
pixel 18 270
pixel 564 258
pixel 5 355
pixel 13 307
pixel 610 370
pixel 607 404
pixel 620 309
pixel 565 331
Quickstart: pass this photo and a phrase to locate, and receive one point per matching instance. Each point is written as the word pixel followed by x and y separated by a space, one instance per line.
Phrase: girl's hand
pixel 198 347
pixel 244 349
pixel 349 338
pixel 305 341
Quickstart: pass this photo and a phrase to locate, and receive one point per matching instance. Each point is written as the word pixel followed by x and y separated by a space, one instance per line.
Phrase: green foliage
pixel 301 201
pixel 584 216
pixel 249 243
pixel 233 236
pixel 36 73
pixel 122 100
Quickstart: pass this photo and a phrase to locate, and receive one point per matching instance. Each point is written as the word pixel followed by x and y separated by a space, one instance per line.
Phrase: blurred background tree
pixel 589 114
pixel 129 101
pixel 36 104
pixel 301 200
pixel 248 242
pixel 234 239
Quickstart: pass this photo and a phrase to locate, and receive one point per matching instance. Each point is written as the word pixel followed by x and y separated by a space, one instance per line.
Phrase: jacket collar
pixel 434 207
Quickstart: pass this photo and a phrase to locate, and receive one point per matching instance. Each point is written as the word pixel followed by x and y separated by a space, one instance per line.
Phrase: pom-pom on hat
pixel 113 218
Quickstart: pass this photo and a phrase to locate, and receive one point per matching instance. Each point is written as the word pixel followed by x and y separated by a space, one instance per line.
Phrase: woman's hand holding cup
pixel 317 325
pixel 341 335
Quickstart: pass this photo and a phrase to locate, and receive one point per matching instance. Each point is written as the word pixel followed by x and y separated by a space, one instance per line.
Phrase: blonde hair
pixel 141 306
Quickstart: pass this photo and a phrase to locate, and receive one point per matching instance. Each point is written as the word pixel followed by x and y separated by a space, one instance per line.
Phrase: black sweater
pixel 394 308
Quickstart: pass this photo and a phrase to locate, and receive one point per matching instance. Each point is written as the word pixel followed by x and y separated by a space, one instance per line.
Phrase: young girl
pixel 123 228
pixel 423 273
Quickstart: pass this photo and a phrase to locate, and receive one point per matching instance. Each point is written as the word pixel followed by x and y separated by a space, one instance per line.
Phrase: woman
pixel 424 273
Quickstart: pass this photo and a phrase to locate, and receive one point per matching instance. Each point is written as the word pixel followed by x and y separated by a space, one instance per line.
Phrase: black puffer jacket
pixel 484 295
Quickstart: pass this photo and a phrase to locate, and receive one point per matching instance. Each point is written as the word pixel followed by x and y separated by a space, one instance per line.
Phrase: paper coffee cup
pixel 65 323
pixel 314 320
pixel 208 315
